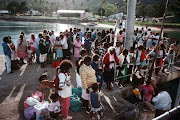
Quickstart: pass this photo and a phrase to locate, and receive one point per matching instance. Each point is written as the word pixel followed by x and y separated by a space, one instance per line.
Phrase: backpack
pixel 30 113
pixel 57 82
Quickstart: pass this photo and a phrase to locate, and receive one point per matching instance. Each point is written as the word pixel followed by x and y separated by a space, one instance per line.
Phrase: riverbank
pixel 64 20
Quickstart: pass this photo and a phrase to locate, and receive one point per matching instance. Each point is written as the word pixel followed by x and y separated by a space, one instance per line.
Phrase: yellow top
pixel 88 76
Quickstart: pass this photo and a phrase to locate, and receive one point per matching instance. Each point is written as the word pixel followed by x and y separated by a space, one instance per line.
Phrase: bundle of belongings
pixel 35 107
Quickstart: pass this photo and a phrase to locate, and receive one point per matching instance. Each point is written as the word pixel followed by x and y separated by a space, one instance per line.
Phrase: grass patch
pixel 108 23
pixel 138 23
pixel 173 25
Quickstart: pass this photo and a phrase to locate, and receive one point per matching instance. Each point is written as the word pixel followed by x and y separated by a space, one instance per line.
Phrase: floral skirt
pixel 96 109
pixel 21 54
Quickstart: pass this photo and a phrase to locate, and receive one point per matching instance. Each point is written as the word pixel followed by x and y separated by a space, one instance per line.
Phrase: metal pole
pixel 162 25
pixel 131 8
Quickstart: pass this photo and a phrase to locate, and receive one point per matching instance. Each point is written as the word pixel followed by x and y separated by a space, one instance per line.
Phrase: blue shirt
pixel 99 77
pixel 36 45
pixel 87 42
pixel 6 49
pixel 80 35
pixel 94 100
pixel 94 65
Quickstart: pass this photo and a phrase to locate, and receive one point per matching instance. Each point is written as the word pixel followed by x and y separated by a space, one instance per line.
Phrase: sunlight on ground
pixel 19 95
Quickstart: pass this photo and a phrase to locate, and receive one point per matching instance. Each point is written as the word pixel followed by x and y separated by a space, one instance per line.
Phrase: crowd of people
pixel 96 53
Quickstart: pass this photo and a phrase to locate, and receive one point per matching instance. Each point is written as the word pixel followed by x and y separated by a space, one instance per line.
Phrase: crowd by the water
pixel 96 53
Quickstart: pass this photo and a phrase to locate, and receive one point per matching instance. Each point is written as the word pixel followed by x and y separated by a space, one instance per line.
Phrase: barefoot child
pixel 95 102
pixel 29 54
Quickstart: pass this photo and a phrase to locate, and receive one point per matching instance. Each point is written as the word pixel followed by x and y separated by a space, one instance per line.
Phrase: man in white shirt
pixel 65 46
pixel 162 102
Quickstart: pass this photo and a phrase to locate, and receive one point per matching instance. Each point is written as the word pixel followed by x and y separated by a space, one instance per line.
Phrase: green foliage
pixel 2 6
pixel 110 9
pixel 13 7
pixel 155 10
pixel 16 7
pixel 101 12
pixel 175 7
pixel 141 11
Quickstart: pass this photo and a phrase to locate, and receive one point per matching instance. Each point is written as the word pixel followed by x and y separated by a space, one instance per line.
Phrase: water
pixel 14 28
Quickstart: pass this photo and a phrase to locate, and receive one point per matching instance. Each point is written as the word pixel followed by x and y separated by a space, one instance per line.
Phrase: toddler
pixel 95 102
pixel 29 55
pixel 100 77
pixel 54 106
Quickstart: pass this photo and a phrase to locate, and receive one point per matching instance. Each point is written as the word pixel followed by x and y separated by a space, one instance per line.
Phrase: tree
pixel 23 7
pixel 156 10
pixel 141 11
pixel 13 7
pixel 101 12
pixel 110 9
pixel 174 7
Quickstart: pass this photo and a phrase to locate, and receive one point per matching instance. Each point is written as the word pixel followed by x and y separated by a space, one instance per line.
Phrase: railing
pixel 169 67
pixel 169 114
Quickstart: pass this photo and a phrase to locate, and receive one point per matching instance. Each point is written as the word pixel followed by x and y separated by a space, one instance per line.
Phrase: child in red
pixel 148 91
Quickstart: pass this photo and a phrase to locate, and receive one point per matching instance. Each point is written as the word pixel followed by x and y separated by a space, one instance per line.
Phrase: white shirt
pixel 64 43
pixel 54 107
pixel 52 39
pixel 121 59
pixel 117 49
pixel 74 37
pixel 162 101
pixel 29 52
pixel 111 59
pixel 64 81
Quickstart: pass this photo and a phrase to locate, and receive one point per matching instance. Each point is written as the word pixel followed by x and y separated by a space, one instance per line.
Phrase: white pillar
pixel 131 8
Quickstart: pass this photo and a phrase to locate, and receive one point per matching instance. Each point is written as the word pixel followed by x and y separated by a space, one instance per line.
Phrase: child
pixel 148 91
pixel 54 107
pixel 95 62
pixel 95 102
pixel 100 77
pixel 29 54
pixel 43 53
pixel 58 46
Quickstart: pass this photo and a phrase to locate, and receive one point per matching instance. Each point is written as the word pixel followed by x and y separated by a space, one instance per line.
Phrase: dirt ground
pixel 16 87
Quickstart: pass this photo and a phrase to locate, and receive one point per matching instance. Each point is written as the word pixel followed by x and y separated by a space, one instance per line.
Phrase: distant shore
pixel 65 20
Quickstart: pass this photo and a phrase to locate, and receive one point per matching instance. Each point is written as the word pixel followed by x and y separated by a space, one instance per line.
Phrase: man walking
pixel 7 53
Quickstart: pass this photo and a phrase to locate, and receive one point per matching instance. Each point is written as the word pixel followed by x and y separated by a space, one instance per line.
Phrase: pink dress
pixel 77 48
pixel 32 42
pixel 147 95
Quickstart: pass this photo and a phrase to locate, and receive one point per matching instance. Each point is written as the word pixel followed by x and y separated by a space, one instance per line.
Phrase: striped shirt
pixel 88 76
